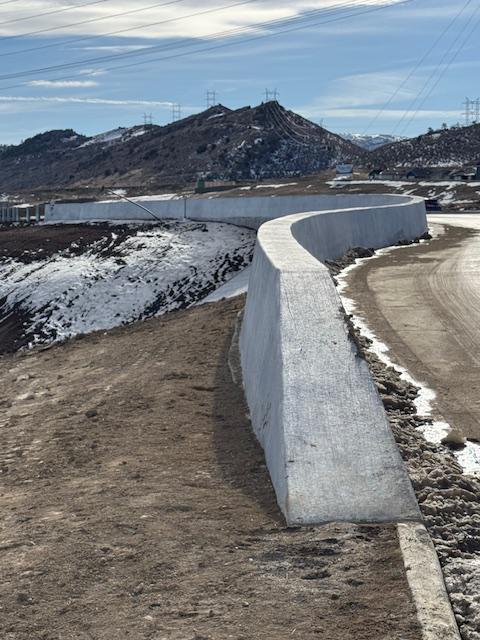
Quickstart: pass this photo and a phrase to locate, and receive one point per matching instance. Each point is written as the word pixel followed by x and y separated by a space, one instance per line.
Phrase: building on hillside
pixel 344 171
pixel 467 174
pixel 205 186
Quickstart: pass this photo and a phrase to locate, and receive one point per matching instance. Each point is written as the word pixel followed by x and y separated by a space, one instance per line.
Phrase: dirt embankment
pixel 136 504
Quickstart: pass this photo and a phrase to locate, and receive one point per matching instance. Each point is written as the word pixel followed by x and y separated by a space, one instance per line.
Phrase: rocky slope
pixel 250 143
pixel 455 147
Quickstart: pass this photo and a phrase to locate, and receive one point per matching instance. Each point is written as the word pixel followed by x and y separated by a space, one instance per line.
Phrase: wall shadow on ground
pixel 239 455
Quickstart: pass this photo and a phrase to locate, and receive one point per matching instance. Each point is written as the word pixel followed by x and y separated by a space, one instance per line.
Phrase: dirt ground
pixel 135 503
pixel 421 302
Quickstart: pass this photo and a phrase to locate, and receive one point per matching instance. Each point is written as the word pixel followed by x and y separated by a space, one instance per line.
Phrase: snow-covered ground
pixel 119 280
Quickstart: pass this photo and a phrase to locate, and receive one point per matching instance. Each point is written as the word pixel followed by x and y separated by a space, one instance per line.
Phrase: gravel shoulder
pixel 136 504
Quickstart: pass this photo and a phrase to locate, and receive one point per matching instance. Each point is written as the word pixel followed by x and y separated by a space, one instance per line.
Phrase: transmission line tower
pixel 472 111
pixel 147 119
pixel 211 99
pixel 271 95
pixel 176 112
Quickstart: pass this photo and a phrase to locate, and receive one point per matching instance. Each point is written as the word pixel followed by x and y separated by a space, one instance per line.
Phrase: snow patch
pixel 121 280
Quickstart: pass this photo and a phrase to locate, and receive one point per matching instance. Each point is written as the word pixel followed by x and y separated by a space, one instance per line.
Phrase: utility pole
pixel 211 99
pixel 472 111
pixel 176 112
pixel 271 95
pixel 147 119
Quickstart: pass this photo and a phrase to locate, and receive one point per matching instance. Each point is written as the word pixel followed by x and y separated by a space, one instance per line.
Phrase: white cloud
pixel 246 14
pixel 91 101
pixel 64 84
pixel 115 48
pixel 390 114
pixel 362 90
pixel 92 72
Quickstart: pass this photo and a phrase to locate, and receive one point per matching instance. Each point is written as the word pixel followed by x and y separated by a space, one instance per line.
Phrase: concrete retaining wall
pixel 313 404
pixel 245 211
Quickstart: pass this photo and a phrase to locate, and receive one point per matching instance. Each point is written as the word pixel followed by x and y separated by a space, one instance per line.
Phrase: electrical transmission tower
pixel 271 95
pixel 472 111
pixel 211 99
pixel 147 119
pixel 176 112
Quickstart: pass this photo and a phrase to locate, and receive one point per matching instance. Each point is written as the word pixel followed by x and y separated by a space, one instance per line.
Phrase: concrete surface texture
pixel 313 404
pixel 426 583
pixel 244 211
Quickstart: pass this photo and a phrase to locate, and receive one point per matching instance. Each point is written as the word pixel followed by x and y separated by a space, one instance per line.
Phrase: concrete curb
pixel 426 583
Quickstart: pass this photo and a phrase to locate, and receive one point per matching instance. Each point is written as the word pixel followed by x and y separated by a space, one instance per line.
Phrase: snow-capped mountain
pixel 371 142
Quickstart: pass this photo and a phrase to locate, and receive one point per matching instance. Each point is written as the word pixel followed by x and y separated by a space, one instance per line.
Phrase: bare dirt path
pixel 135 503
pixel 423 302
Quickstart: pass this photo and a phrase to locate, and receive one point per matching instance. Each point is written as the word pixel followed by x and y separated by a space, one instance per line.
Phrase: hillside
pixel 453 147
pixel 250 143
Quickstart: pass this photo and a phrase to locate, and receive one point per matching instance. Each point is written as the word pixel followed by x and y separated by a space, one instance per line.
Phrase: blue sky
pixel 357 73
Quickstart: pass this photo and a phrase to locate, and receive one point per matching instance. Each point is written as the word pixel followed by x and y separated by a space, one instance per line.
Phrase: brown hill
pixel 454 147
pixel 250 143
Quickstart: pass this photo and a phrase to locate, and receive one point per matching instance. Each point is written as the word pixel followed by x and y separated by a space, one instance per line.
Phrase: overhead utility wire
pixel 53 12
pixel 71 41
pixel 444 70
pixel 416 67
pixel 90 20
pixel 101 59
pixel 148 50
pixel 126 30
pixel 413 104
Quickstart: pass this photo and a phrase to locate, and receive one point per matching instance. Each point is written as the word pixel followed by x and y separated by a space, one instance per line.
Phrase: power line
pixel 100 59
pixel 90 20
pixel 416 67
pixel 70 41
pixel 444 70
pixel 115 15
pixel 54 12
pixel 472 111
pixel 232 32
pixel 271 95
pixel 211 99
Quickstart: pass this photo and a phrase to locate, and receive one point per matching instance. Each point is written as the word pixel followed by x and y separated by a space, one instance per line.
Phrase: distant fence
pixel 22 214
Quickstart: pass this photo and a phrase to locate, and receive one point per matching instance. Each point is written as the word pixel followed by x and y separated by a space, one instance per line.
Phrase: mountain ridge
pixel 249 143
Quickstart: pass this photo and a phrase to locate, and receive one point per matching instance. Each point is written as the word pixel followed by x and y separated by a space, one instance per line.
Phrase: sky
pixel 359 66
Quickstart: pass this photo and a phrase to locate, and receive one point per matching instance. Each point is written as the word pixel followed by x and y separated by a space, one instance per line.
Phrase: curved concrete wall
pixel 313 404
pixel 245 211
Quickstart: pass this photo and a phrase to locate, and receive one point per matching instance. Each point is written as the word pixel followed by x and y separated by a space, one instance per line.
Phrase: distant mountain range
pixel 370 142
pixel 250 143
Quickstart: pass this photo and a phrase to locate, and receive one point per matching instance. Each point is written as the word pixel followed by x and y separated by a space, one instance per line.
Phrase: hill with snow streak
pixel 266 141
pixel 119 279
pixel 454 147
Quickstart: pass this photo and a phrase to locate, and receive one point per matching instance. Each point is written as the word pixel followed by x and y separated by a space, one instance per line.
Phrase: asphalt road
pixel 423 301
